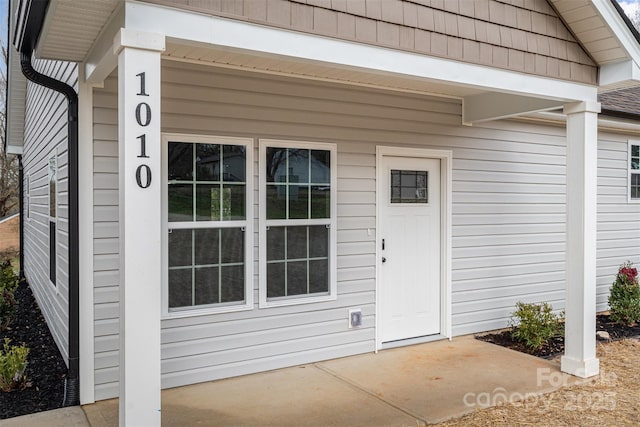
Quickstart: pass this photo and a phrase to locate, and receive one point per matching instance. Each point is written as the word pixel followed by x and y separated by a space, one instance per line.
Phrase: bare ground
pixel 10 237
pixel 610 400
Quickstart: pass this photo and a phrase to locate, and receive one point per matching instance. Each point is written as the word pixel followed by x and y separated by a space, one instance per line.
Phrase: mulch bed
pixel 555 346
pixel 46 370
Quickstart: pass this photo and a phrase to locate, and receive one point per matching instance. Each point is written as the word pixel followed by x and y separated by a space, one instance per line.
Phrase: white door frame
pixel 445 157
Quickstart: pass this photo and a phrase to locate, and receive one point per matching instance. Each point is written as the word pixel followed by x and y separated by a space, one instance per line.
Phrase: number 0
pixel 147 177
pixel 147 114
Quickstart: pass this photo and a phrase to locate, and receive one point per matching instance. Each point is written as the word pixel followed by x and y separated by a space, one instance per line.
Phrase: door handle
pixel 384 259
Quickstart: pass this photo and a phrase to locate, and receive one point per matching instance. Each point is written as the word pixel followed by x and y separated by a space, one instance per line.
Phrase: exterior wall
pixel 526 35
pixel 508 216
pixel 618 220
pixel 46 131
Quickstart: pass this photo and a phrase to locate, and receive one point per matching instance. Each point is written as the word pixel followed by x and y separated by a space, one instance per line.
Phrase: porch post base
pixel 580 368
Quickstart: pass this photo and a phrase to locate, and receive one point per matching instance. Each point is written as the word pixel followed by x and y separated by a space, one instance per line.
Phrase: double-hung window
pixel 208 217
pixel 297 222
pixel 634 171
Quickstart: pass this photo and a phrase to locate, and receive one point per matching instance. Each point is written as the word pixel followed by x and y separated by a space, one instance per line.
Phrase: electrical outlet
pixel 355 318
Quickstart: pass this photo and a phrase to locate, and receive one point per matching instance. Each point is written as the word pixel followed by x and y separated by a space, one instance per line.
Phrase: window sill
pixel 196 312
pixel 297 301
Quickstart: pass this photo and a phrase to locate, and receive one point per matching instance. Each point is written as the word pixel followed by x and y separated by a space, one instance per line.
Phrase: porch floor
pixel 419 384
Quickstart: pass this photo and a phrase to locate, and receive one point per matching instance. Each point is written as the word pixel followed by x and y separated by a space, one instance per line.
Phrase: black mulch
pixel 46 369
pixel 555 346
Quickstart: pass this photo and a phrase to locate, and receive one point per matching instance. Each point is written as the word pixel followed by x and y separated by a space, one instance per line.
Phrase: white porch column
pixel 582 163
pixel 140 225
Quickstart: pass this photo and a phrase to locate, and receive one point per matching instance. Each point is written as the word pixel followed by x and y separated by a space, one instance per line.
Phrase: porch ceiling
pixel 311 70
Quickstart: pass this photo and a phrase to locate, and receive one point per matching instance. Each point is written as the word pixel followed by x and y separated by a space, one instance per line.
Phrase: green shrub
pixel 8 285
pixel 624 298
pixel 535 324
pixel 13 364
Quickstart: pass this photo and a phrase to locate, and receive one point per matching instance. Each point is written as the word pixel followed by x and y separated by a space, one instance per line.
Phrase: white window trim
pixel 247 223
pixel 54 219
pixel 53 155
pixel 333 194
pixel 630 171
pixel 27 179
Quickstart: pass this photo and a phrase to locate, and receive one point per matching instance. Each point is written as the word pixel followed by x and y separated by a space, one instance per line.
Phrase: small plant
pixel 624 298
pixel 535 324
pixel 13 364
pixel 8 286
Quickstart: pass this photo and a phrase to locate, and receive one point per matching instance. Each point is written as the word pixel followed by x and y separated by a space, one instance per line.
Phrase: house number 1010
pixel 143 118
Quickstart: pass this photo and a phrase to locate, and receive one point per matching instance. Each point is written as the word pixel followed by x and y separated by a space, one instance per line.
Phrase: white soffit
pixel 72 26
pixel 598 26
pixel 229 58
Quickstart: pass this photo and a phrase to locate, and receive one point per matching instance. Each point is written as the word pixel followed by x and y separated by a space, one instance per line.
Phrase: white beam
pixel 101 59
pixel 580 307
pixel 300 47
pixel 140 225
pixel 494 105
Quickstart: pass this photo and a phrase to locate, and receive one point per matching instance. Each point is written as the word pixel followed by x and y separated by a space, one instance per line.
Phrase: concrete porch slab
pixel 406 386
pixel 438 381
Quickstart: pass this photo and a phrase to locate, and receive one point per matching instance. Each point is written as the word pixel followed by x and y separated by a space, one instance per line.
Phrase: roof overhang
pixel 83 32
pixel 608 35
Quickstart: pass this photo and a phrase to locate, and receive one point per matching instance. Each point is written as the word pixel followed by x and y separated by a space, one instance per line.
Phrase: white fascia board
pixel 262 40
pixel 624 73
pixel 611 16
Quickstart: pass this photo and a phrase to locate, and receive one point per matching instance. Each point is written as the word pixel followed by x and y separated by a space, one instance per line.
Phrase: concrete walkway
pixel 416 385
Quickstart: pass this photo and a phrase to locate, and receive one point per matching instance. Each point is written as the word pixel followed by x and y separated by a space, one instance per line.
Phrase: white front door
pixel 409 255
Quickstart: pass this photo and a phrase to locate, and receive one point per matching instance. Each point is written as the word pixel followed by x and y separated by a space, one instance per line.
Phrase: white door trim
pixel 445 157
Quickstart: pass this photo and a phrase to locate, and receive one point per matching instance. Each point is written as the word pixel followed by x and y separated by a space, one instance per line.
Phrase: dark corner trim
pixel 35 19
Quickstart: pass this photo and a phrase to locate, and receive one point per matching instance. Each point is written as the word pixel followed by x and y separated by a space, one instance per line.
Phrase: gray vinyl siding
pixel 45 131
pixel 509 216
pixel 618 220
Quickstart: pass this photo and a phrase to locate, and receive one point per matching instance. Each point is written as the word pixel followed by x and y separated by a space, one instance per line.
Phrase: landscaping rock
pixel 603 336
pixel 46 370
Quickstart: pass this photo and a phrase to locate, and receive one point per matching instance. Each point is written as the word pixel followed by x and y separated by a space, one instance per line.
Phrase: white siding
pixel 618 220
pixel 508 216
pixel 45 131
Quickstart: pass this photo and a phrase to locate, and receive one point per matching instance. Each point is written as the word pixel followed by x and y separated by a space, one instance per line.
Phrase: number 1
pixel 143 89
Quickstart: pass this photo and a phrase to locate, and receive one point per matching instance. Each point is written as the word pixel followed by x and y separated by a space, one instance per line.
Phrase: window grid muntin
pixel 219 265
pixel 221 183
pixel 328 221
pixel 194 224
pixel 307 259
pixel 401 199
pixel 309 184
